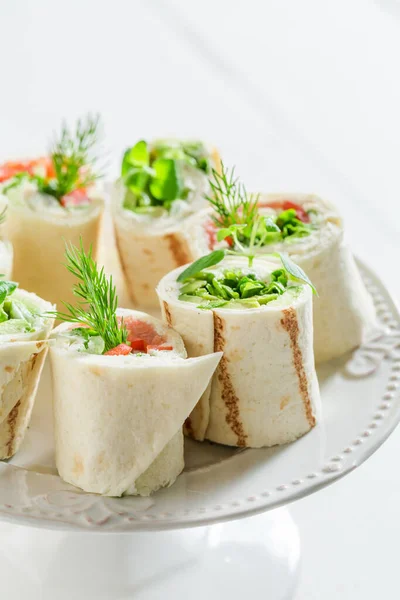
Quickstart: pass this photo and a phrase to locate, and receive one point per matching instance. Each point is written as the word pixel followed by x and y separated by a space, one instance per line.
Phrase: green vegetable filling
pixel 233 289
pixel 238 218
pixel 154 176
pixel 16 316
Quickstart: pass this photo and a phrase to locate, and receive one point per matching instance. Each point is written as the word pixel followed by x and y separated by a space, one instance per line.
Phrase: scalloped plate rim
pixel 253 506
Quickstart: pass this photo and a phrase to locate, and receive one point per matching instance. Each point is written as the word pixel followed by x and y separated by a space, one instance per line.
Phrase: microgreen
pixel 201 283
pixel 97 299
pixel 294 270
pixel 202 263
pixel 154 175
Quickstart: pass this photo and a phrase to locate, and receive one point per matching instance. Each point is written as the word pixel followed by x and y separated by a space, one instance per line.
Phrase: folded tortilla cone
pixel 343 311
pixel 38 237
pixel 118 419
pixel 265 389
pixel 150 244
pixel 22 357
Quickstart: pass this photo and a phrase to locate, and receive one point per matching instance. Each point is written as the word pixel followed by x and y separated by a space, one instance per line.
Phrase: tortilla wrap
pixel 118 419
pixel 343 310
pixel 22 357
pixel 150 246
pixel 39 237
pixel 265 389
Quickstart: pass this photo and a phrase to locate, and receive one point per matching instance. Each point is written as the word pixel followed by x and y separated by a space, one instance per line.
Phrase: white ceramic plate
pixel 360 409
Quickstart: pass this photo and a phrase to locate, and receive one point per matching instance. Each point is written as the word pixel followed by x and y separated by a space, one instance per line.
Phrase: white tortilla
pixel 149 247
pixel 118 419
pixel 343 311
pixel 6 250
pixel 39 237
pixel 21 361
pixel 265 389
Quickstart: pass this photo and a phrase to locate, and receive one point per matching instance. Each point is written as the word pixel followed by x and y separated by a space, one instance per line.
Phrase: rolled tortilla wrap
pixel 265 389
pixel 118 419
pixel 6 250
pixel 6 258
pixel 38 231
pixel 343 311
pixel 152 244
pixel 22 357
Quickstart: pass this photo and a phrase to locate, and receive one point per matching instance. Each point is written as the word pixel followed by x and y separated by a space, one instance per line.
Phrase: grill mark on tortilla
pixel 9 369
pixel 12 422
pixel 13 416
pixel 168 315
pixel 178 250
pixel 290 324
pixel 228 393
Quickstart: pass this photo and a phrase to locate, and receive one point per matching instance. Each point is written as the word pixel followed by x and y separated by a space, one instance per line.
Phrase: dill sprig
pixel 73 157
pixel 232 203
pixel 98 300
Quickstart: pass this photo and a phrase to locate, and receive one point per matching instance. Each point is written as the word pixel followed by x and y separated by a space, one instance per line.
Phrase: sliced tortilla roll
pixel 343 310
pixel 118 419
pixel 265 389
pixel 6 250
pixel 38 231
pixel 53 200
pixel 23 348
pixel 150 232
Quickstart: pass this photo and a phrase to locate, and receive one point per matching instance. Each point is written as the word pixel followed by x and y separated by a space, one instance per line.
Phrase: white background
pixel 300 95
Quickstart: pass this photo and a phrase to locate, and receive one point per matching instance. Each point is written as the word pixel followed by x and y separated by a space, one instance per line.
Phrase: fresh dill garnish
pixel 72 163
pixel 240 221
pixel 230 200
pixel 73 158
pixel 98 301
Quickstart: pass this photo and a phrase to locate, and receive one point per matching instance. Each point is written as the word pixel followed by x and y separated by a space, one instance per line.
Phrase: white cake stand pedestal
pixel 259 555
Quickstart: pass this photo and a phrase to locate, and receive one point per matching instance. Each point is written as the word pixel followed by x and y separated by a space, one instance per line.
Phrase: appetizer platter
pixel 268 367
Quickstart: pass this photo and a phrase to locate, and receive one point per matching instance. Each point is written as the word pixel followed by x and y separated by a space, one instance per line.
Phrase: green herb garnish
pixel 231 202
pixel 97 299
pixel 209 260
pixel 238 219
pixel 154 175
pixel 231 289
pixel 234 287
pixel 73 159
pixel 295 271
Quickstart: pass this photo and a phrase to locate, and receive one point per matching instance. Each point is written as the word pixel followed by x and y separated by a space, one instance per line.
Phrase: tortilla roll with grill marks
pixel 343 311
pixel 151 213
pixel 54 199
pixel 265 389
pixel 38 232
pixel 23 348
pixel 118 418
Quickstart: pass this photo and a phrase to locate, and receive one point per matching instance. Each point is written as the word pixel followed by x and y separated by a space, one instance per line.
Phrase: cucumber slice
pixel 14 326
